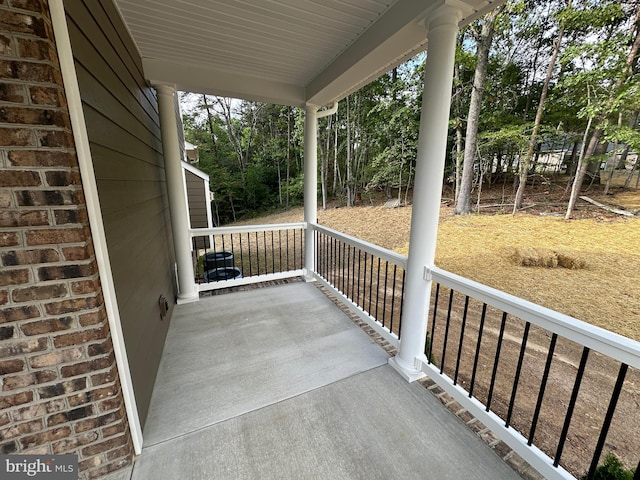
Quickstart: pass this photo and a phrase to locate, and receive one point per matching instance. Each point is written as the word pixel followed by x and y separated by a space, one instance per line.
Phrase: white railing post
pixel 177 198
pixel 432 142
pixel 310 185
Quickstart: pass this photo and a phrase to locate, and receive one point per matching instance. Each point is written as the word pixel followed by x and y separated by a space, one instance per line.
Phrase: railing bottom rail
pixel 381 330
pixel 531 454
pixel 220 284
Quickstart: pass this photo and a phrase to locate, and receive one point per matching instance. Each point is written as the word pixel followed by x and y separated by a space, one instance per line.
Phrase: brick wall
pixel 60 391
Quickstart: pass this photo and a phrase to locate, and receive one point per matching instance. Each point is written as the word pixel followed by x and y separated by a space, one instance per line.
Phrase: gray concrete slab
pixel 227 355
pixel 372 425
pixel 124 474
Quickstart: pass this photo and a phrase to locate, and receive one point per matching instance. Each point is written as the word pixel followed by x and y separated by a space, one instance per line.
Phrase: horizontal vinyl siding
pixel 121 114
pixel 197 199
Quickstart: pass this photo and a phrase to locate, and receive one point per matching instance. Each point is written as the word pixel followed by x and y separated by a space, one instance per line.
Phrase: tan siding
pixel 123 126
pixel 197 200
pixel 106 46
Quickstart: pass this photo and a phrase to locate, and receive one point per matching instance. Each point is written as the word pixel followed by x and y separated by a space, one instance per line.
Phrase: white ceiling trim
pixel 208 80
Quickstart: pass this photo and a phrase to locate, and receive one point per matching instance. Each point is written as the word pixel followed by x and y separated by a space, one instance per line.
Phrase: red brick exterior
pixel 60 391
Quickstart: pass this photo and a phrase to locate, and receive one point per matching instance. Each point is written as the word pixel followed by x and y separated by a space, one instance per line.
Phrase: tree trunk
pixel 233 210
pixel 325 164
pixel 463 203
pixel 216 221
pixel 533 140
pixel 279 185
pixel 241 146
pixel 288 157
pixel 612 164
pixel 459 158
pixel 214 144
pixel 583 166
pixel 459 135
pixel 406 192
pixel 348 174
pixel 336 170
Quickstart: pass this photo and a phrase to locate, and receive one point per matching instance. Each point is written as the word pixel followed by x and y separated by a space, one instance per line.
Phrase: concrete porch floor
pixel 278 383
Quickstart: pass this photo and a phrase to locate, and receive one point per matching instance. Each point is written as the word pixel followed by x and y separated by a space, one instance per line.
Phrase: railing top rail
pixel 201 232
pixel 608 343
pixel 388 255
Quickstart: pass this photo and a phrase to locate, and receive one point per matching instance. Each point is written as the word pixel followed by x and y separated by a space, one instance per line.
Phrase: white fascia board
pixel 195 171
pixel 200 79
pixel 376 63
pixel 399 31
pixel 480 8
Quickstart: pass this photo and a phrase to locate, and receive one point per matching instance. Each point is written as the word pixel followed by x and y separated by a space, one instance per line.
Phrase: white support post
pixel 432 143
pixel 310 185
pixel 177 199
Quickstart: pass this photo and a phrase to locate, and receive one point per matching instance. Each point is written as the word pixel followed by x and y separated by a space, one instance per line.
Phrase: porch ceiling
pixel 280 51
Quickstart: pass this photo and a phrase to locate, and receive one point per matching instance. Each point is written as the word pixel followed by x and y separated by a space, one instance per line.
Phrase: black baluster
pixel 572 404
pixel 543 386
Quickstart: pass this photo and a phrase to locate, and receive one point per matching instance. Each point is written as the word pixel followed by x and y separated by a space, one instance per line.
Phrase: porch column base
pixel 193 297
pixel 308 276
pixel 408 372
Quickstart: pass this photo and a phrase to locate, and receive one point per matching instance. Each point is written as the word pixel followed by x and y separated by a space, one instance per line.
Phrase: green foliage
pixel 625 135
pixel 511 138
pixel 296 190
pixel 594 63
pixel 587 16
pixel 611 469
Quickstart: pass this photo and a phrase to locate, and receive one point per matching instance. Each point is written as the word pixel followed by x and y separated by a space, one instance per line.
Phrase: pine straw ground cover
pixel 490 248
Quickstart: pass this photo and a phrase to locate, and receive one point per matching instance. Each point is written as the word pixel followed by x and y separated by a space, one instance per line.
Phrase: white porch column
pixel 310 183
pixel 432 143
pixel 177 199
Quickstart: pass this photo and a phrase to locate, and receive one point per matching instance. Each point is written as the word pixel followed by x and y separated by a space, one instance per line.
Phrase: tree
pixel 525 162
pixel 463 204
pixel 606 71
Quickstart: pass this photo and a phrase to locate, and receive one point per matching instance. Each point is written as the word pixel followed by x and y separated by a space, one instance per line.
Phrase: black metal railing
pixel 257 252
pixel 567 389
pixel 370 277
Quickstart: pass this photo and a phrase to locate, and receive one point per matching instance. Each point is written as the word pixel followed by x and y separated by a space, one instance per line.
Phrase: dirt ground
pixel 605 292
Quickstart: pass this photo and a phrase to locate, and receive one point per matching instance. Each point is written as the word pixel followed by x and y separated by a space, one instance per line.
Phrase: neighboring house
pixel 198 196
pixel 191 153
pixel 93 224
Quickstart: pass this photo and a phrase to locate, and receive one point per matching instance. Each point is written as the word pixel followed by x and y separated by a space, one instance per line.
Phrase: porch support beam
pixel 310 184
pixel 177 198
pixel 432 142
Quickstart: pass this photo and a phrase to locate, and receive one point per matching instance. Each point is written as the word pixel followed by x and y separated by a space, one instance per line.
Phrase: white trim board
pixel 196 171
pixel 81 139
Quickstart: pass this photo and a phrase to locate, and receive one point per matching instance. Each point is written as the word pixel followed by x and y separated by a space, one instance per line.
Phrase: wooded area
pixel 541 88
